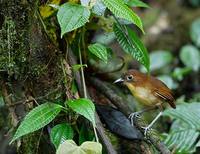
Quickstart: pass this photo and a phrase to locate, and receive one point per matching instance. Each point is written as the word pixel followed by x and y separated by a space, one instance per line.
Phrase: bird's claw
pixel 132 116
pixel 146 130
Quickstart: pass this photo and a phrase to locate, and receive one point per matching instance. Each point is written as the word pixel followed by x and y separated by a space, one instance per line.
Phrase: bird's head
pixel 131 77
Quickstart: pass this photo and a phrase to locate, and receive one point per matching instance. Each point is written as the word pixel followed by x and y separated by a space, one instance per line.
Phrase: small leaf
pixel 85 2
pixel 60 133
pixel 92 147
pixel 99 50
pixel 190 56
pixel 84 107
pixel 195 32
pixel 179 73
pixel 120 9
pixel 99 8
pixel 132 44
pixel 70 147
pixel 136 3
pixel 85 134
pixel 37 118
pixel 72 16
pixel 78 66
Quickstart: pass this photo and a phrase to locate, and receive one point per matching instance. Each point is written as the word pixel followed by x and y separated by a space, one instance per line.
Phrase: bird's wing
pixel 162 92
pixel 166 96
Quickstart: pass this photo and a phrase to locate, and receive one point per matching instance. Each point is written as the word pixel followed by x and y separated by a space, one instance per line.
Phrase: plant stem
pixel 84 85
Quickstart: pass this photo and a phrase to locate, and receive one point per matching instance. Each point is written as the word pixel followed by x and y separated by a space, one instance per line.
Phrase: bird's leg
pixel 146 129
pixel 137 114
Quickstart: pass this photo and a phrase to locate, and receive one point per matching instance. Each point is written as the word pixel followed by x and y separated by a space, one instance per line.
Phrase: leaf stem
pixel 83 82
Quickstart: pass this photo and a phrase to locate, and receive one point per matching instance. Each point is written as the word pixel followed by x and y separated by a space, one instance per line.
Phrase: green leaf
pixel 84 107
pixel 190 56
pixel 168 81
pixel 99 50
pixel 85 134
pixel 132 44
pixel 179 73
pixel 136 3
pixel 120 9
pixel 99 8
pixel 72 16
pixel 60 133
pixel 37 118
pixel 185 130
pixel 70 147
pixel 187 113
pixel 78 66
pixel 195 32
pixel 183 141
pixel 160 59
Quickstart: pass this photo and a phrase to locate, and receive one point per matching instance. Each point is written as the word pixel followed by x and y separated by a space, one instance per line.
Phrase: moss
pixel 31 147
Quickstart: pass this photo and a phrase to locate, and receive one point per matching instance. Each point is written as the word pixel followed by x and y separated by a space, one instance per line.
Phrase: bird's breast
pixel 143 95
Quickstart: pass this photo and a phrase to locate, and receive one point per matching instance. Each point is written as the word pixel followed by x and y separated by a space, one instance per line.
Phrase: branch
pixel 118 101
pixel 104 138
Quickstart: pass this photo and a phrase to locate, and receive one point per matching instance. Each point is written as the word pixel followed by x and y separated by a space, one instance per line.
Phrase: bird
pixel 149 91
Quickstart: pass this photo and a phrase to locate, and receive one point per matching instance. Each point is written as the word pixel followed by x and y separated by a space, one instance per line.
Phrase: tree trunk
pixel 30 69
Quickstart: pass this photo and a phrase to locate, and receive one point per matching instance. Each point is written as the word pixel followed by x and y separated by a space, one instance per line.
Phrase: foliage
pixel 69 146
pixel 190 56
pixel 184 132
pixel 99 50
pixel 159 59
pixel 37 118
pixel 60 133
pixel 195 32
pixel 120 9
pixel 136 3
pixel 72 16
pixel 84 107
pixel 131 44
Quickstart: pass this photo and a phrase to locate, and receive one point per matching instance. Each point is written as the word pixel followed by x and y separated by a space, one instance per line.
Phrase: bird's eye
pixel 130 77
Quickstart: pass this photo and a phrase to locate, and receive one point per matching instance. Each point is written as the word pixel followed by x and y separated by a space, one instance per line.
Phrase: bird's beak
pixel 119 80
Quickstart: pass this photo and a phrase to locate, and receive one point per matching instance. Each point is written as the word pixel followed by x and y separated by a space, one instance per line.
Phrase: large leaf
pixel 168 80
pixel 60 133
pixel 120 9
pixel 72 16
pixel 118 123
pixel 84 107
pixel 37 118
pixel 132 44
pixel 183 141
pixel 190 56
pixel 187 113
pixel 136 3
pixel 160 59
pixel 70 147
pixel 195 32
pixel 185 130
pixel 99 50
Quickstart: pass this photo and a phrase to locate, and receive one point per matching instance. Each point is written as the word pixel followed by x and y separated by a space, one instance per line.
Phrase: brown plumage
pixel 147 89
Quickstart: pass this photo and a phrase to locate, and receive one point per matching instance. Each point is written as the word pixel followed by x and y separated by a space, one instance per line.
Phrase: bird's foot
pixel 146 130
pixel 133 116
